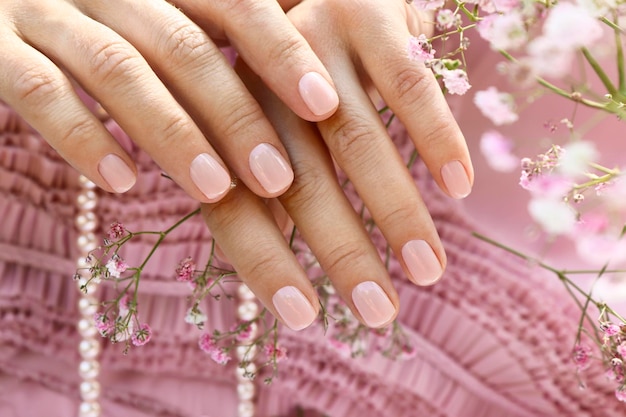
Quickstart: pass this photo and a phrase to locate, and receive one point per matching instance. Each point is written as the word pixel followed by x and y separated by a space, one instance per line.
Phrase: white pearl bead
pixel 89 409
pixel 89 369
pixel 88 306
pixel 248 310
pixel 246 390
pixel 249 352
pixel 244 293
pixel 86 183
pixel 86 222
pixel 86 328
pixel 89 348
pixel 87 242
pixel 245 409
pixel 90 390
pixel 87 200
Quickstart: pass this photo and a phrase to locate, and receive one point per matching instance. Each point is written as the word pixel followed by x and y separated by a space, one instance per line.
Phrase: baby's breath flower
pixel 116 231
pixel 420 49
pixel 581 356
pixel 496 106
pixel 275 352
pixel 185 270
pixel 142 335
pixel 116 266
pixel 195 316
pixel 456 81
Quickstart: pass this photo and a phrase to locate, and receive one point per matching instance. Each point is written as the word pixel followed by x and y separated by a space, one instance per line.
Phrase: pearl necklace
pixel 89 346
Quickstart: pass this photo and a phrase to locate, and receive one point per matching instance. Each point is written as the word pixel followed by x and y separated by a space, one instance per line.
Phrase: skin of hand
pixel 362 43
pixel 166 83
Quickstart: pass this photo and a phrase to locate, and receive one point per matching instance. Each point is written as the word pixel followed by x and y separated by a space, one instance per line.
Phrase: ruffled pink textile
pixel 493 338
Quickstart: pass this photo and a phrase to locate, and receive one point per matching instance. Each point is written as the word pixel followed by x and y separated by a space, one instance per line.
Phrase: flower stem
pixel 608 84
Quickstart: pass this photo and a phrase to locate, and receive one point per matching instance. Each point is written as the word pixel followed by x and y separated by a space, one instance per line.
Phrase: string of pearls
pixel 89 345
pixel 247 309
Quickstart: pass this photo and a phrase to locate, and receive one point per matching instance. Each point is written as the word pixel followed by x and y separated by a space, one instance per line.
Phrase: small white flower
pixel 575 158
pixel 195 316
pixel 554 216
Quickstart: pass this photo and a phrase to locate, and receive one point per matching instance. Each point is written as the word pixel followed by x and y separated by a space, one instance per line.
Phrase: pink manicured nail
pixel 270 168
pixel 294 308
pixel 373 304
pixel 456 180
pixel 421 261
pixel 209 176
pixel 116 173
pixel 319 96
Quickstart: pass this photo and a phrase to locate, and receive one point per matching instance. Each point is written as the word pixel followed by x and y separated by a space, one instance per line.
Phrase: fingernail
pixel 116 173
pixel 456 180
pixel 373 304
pixel 421 261
pixel 319 96
pixel 294 308
pixel 209 176
pixel 270 168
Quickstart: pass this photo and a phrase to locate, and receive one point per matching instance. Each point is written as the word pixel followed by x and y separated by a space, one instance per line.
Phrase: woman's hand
pixel 166 83
pixel 361 42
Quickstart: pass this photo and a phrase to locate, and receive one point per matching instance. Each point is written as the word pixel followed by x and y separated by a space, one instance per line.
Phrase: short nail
pixel 421 261
pixel 294 308
pixel 319 96
pixel 373 304
pixel 116 173
pixel 209 176
pixel 456 180
pixel 270 168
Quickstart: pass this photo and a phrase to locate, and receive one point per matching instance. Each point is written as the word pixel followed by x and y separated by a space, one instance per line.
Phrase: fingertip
pixel 456 180
pixel 294 308
pixel 210 177
pixel 319 95
pixel 117 174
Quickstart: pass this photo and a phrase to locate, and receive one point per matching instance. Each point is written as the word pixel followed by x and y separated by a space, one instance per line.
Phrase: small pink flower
pixel 342 348
pixel 116 266
pixel 610 329
pixel 496 106
pixel 125 304
pixel 456 81
pixel 504 31
pixel 142 335
pixel 420 49
pixel 185 270
pixel 207 343
pixel 582 356
pixel 103 324
pixel 219 356
pixel 244 334
pixel 621 350
pixel 116 231
pixel 447 19
pixel 275 352
pixel 497 150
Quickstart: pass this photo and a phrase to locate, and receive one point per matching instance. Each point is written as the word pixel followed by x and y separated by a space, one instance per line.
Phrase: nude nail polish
pixel 319 96
pixel 209 176
pixel 421 261
pixel 116 173
pixel 456 180
pixel 270 168
pixel 294 308
pixel 375 307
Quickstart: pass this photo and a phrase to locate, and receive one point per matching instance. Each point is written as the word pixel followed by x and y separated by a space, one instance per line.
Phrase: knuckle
pixel 409 84
pixel 285 50
pixel 77 133
pixel 236 123
pixel 186 43
pixel 36 87
pixel 176 128
pixel 113 60
pixel 344 255
pixel 309 189
pixel 351 137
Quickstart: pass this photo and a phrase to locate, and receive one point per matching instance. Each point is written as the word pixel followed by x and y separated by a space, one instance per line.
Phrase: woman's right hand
pixel 166 83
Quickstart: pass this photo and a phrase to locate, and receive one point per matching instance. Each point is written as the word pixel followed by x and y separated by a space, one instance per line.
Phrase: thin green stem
pixel 608 84
pixel 619 49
